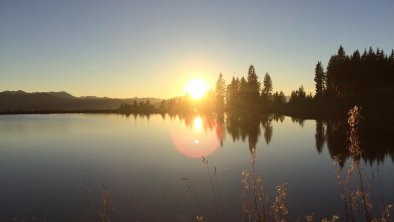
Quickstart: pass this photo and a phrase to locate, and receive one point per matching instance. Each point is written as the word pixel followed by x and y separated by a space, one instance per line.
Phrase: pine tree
pixel 243 92
pixel 319 80
pixel 253 88
pixel 266 92
pixel 279 98
pixel 232 93
pixel 220 90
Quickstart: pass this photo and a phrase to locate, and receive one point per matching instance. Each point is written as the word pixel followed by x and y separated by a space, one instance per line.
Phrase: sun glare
pixel 197 124
pixel 196 88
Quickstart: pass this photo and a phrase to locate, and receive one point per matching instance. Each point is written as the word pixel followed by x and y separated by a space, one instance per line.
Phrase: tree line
pixel 137 107
pixel 354 74
pixel 348 80
pixel 247 94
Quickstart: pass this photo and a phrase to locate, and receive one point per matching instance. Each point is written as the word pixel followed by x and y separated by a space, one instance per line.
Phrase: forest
pixel 366 80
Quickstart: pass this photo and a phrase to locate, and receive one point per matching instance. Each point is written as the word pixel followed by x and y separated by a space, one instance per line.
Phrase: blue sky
pixel 152 48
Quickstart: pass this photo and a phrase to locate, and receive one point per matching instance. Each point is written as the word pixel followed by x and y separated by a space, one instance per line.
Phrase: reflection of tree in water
pixel 233 126
pixel 298 120
pixel 242 127
pixel 377 143
pixel 268 129
pixel 278 118
pixel 208 123
pixel 138 115
pixel 319 136
pixel 220 133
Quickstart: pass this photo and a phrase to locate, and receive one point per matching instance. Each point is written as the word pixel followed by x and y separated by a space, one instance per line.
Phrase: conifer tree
pixel 220 90
pixel 266 92
pixel 232 93
pixel 319 80
pixel 243 92
pixel 253 88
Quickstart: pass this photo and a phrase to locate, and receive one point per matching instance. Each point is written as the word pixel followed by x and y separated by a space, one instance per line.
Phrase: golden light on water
pixel 192 142
pixel 197 124
pixel 196 88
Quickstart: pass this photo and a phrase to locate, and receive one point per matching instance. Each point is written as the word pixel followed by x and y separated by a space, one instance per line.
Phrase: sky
pixel 124 48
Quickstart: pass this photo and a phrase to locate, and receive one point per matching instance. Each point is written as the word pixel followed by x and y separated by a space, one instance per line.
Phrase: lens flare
pixel 191 142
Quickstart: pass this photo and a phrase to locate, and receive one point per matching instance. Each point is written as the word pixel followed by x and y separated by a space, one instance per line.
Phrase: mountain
pixel 62 94
pixel 20 101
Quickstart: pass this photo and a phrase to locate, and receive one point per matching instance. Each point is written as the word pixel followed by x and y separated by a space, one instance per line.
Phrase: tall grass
pixel 354 199
pixel 105 207
pixel 215 189
pixel 356 202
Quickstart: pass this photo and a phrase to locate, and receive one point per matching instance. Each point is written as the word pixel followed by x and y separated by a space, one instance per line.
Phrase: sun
pixel 196 88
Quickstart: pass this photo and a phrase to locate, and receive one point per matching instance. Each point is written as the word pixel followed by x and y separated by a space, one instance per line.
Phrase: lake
pixel 85 167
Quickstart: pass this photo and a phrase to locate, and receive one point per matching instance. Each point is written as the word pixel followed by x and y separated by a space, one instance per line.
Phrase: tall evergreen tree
pixel 359 73
pixel 220 90
pixel 319 80
pixel 243 92
pixel 267 88
pixel 253 88
pixel 232 93
pixel 279 98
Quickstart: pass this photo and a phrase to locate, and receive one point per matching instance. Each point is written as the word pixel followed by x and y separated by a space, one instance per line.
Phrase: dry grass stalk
pixel 245 185
pixel 257 210
pixel 200 219
pixel 279 208
pixel 386 213
pixel 214 190
pixel 106 198
pixel 189 185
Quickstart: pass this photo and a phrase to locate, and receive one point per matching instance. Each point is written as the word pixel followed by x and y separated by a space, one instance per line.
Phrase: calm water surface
pixel 56 167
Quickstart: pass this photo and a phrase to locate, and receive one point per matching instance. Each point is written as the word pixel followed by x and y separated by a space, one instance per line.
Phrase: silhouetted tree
pixel 232 94
pixel 369 72
pixel 319 80
pixel 266 92
pixel 279 98
pixel 163 106
pixel 253 89
pixel 220 90
pixel 267 88
pixel 243 92
pixel 297 95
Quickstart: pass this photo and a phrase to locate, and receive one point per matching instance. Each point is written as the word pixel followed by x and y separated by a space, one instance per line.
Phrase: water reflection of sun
pixel 197 124
pixel 192 142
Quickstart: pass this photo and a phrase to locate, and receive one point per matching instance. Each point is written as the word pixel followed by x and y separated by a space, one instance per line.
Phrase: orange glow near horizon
pixel 196 88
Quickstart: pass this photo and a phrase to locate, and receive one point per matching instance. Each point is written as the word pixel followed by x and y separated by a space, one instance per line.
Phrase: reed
pixel 105 207
pixel 279 207
pixel 219 215
pixel 189 185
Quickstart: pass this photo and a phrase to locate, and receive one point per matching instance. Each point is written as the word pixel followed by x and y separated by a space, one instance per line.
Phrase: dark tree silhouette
pixel 370 72
pixel 243 92
pixel 266 92
pixel 297 95
pixel 267 86
pixel 279 98
pixel 253 89
pixel 220 91
pixel 319 80
pixel 232 94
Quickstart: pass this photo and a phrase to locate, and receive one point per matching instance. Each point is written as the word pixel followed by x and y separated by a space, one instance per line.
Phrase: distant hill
pixel 20 101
